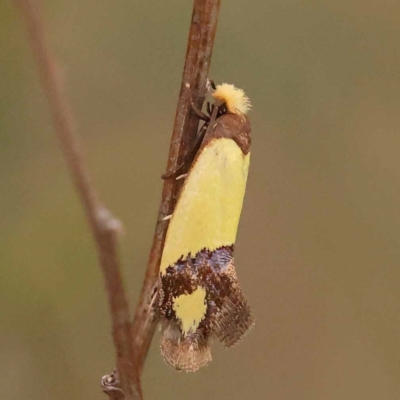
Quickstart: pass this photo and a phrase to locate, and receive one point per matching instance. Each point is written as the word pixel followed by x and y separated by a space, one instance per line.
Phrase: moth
pixel 199 297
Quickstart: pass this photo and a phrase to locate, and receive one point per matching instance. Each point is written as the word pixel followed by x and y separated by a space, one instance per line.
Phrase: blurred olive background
pixel 318 246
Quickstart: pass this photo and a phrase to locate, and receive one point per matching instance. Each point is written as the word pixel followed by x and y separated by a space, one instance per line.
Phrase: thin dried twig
pixel 131 354
pixel 193 89
pixel 103 225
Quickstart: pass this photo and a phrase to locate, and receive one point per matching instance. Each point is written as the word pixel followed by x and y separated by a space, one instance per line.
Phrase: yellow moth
pixel 199 296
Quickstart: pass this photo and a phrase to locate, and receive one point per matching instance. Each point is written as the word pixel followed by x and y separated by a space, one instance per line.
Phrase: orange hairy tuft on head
pixel 234 98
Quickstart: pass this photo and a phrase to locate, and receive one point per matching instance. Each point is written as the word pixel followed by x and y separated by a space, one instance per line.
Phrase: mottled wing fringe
pixel 184 353
pixel 234 318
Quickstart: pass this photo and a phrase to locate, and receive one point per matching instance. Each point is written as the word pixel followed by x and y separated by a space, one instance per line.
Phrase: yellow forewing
pixel 208 210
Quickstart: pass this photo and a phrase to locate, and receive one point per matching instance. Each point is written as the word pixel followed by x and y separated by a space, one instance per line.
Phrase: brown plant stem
pixel 103 225
pixel 193 89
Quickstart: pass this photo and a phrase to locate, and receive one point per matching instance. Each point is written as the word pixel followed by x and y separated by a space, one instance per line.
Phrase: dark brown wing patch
pixel 228 315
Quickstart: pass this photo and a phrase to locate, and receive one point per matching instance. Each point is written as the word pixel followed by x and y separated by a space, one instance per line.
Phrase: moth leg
pixel 200 113
pixel 174 173
pixel 210 107
pixel 183 176
pixel 191 154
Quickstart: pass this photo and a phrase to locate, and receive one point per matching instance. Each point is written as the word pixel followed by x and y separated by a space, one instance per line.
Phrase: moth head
pixel 234 99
